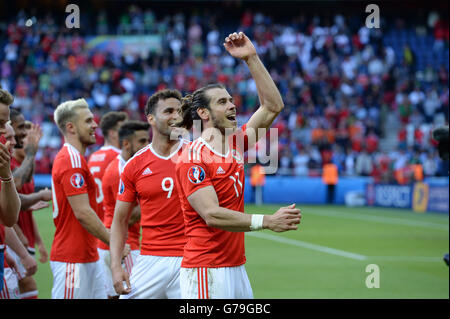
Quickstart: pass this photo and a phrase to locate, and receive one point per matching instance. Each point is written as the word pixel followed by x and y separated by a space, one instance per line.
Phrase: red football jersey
pixel 97 163
pixel 71 176
pixel 25 221
pixel 110 185
pixel 150 178
pixel 200 166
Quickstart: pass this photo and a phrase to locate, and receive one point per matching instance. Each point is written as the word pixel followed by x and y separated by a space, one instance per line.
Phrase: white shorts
pixel 155 277
pixel 10 285
pixel 105 261
pixel 215 283
pixel 78 280
pixel 22 271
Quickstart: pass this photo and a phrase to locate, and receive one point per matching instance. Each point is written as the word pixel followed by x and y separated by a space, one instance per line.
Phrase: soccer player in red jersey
pixel 77 272
pixel 9 198
pixel 22 166
pixel 15 248
pixel 210 176
pixel 149 177
pixel 133 136
pixel 99 160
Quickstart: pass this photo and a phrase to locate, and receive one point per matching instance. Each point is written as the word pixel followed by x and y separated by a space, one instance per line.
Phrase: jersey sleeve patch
pixel 196 174
pixel 121 187
pixel 77 180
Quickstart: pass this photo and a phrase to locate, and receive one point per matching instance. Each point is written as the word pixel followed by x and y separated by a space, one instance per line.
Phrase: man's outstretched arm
pixel 206 204
pixel 240 46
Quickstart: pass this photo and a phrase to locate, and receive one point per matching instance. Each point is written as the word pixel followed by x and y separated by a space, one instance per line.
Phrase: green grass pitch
pixel 328 255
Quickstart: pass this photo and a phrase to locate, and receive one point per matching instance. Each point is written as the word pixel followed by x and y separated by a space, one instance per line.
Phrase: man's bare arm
pixel 119 230
pixel 9 204
pixel 206 204
pixel 269 96
pixel 20 235
pixel 28 200
pixel 135 215
pixel 24 173
pixel 14 243
pixel 240 46
pixel 87 217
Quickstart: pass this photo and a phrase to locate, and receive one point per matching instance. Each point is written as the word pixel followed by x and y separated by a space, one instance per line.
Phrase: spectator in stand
pixel 301 163
pixel 363 164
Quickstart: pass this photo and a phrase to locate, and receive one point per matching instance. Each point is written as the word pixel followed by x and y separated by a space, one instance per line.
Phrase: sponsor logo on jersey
pixel 220 170
pixel 146 171
pixel 121 187
pixel 196 174
pixel 97 157
pixel 77 180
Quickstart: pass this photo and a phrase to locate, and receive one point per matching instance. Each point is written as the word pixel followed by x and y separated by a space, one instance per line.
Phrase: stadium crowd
pixel 340 81
pixel 334 90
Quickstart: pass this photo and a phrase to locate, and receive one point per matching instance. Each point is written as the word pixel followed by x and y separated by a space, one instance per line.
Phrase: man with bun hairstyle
pixel 210 180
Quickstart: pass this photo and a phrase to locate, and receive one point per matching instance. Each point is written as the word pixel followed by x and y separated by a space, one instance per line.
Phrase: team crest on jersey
pixel 121 187
pixel 237 156
pixel 196 174
pixel 77 180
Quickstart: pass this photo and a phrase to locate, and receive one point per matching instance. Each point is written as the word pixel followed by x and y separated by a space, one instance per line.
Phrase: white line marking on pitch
pixel 303 244
pixel 381 219
pixel 408 258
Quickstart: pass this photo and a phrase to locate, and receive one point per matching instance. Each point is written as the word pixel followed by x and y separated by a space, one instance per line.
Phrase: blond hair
pixel 6 97
pixel 67 112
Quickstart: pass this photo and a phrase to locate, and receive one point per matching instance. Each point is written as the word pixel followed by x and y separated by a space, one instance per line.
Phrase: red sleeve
pixel 192 177
pixel 109 192
pixel 74 181
pixel 127 189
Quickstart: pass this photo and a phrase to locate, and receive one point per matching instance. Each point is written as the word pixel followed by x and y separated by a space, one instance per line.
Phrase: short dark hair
pixel 161 95
pixel 128 128
pixel 192 102
pixel 6 97
pixel 14 114
pixel 109 121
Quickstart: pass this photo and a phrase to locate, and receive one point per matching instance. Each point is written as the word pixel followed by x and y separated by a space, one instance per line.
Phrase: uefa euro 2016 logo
pixel 121 187
pixel 196 174
pixel 77 180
